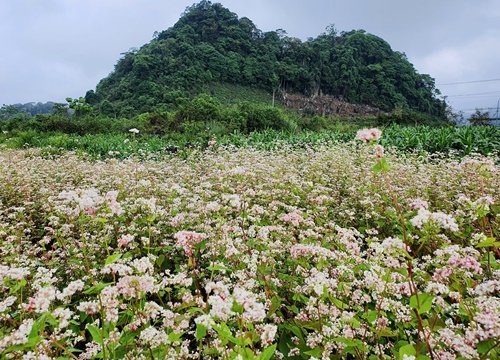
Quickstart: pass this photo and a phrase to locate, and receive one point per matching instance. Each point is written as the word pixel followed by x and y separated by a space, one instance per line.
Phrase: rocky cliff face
pixel 326 105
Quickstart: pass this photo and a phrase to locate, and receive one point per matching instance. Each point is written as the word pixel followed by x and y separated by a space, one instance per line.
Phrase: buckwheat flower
pixel 143 266
pixel 294 218
pixel 69 290
pixel 153 337
pixel 418 204
pixel 125 240
pixel 134 131
pixel 367 135
pixel 205 320
pixel 91 350
pixel 17 337
pixel 467 262
pixel 7 303
pixel 439 219
pixel 318 281
pixel 268 334
pixel 13 273
pixel 63 316
pixel 41 302
pixel 188 239
pixel 30 355
pixel 135 286
pixel 88 307
pixel 379 151
pixel 114 205
pixel 299 250
pixel 488 287
pixel 442 274
pixel 478 238
pixel 117 268
pixel 294 352
pixel 220 308
pixel 110 303
pixel 457 343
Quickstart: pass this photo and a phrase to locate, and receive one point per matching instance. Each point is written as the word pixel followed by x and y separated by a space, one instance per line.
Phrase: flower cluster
pixel 244 253
pixel 367 135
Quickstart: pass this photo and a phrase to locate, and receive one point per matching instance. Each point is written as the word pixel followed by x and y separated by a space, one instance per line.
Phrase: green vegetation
pixel 465 140
pixel 210 49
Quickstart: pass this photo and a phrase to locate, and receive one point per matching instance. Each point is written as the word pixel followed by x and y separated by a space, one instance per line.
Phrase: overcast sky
pixel 53 49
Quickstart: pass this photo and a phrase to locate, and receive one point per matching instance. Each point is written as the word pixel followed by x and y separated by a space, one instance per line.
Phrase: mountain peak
pixel 209 44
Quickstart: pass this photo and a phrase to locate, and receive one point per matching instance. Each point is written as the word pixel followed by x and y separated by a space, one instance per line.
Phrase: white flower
pixel 268 334
pixel 134 131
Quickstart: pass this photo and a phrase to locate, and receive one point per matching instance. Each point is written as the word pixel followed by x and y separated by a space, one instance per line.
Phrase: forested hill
pixel 210 45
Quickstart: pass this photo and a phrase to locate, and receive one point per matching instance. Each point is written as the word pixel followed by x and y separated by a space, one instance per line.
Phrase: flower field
pixel 337 252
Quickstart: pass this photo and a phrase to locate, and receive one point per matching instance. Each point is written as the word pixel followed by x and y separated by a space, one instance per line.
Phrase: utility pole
pixel 496 115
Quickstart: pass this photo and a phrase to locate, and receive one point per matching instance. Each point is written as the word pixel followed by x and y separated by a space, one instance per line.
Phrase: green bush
pixel 259 117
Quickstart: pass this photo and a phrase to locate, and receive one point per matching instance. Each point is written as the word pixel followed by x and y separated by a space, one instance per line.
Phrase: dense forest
pixel 210 45
pixel 31 108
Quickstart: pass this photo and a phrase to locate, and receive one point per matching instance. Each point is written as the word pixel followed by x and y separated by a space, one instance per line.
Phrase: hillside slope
pixel 210 45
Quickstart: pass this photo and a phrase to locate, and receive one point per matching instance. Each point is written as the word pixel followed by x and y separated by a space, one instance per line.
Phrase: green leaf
pixel 407 350
pixel 275 304
pixel 112 259
pixel 20 284
pixel 97 288
pixel 95 332
pixel 312 325
pixel 246 354
pixel 160 260
pixel 377 168
pixel 423 357
pixel 372 316
pixel 201 331
pixel 425 302
pixel 173 336
pixel 381 165
pixel 316 352
pixel 386 332
pixel 488 243
pixel 127 337
pixel 484 346
pixel 217 268
pixel 268 353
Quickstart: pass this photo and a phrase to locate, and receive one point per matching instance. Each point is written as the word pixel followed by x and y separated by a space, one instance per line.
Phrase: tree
pixel 479 118
pixel 79 106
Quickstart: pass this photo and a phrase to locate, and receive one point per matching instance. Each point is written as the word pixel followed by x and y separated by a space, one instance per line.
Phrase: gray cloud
pixel 52 49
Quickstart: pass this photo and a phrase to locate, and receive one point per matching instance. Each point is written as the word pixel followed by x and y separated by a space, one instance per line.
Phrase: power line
pixel 468 82
pixel 476 94
pixel 479 108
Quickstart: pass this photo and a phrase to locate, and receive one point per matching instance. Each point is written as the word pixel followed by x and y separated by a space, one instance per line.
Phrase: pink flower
pixel 294 218
pixel 418 204
pixel 468 263
pixel 379 151
pixel 134 286
pixel 367 135
pixel 125 240
pixel 188 239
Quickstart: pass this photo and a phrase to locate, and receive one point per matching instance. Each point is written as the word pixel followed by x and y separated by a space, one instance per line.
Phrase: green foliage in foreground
pixel 464 140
